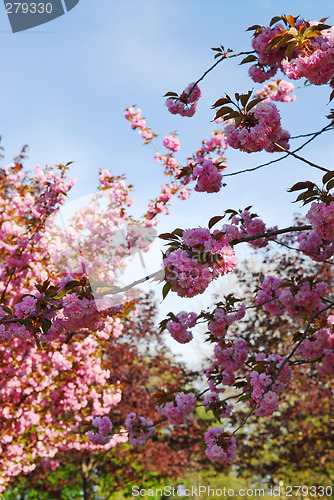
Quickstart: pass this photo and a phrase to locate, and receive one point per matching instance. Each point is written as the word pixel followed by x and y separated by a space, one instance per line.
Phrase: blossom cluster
pixel 103 434
pixel 202 167
pixel 206 165
pixel 221 447
pixel 321 217
pixel 159 205
pixel 258 130
pixel 314 246
pixel 299 299
pixel 268 61
pixel 208 176
pixel 316 65
pixel 247 224
pixel 138 122
pixel 178 327
pixel 178 411
pixel 171 167
pixel 186 103
pixel 213 403
pixel 171 142
pixel 69 313
pixel 313 61
pixel 265 383
pixel 277 90
pixel 200 258
pixel 139 431
pixel 322 346
pixel 230 357
pixel 222 320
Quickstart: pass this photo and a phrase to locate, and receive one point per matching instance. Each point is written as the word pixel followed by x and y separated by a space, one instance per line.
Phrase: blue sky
pixel 65 85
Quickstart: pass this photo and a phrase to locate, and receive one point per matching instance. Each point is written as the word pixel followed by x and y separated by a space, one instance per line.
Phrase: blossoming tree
pixel 196 257
pixel 138 365
pixel 74 303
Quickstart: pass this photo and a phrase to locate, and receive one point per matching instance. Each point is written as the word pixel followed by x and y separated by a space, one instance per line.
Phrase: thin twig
pixel 304 252
pixel 325 129
pixel 7 284
pixel 244 420
pixel 291 153
pixel 224 56
pixel 289 356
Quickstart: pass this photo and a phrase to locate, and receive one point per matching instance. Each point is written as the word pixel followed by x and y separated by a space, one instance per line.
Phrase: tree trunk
pixel 87 472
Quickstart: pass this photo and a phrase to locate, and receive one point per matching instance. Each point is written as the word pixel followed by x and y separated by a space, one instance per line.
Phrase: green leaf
pixel 253 103
pixel 290 20
pixel 297 336
pixel 46 325
pixel 240 384
pixel 7 310
pixel 67 288
pixel 35 332
pixel 233 114
pixel 250 58
pixel 162 396
pixel 331 97
pixel 308 200
pixel 328 176
pixel 307 195
pixel 245 97
pixel 166 289
pixel 330 185
pixel 301 185
pixel 290 48
pixel 254 27
pixel 162 325
pixel 275 42
pixel 221 102
pixel 293 32
pixel 219 259
pixel 223 111
pixel 244 398
pixel 178 232
pixel 214 220
pixel 217 414
pixel 275 20
pixel 167 236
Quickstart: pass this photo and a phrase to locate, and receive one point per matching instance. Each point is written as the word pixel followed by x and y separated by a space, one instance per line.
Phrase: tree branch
pixel 300 158
pixel 268 234
pixel 325 129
